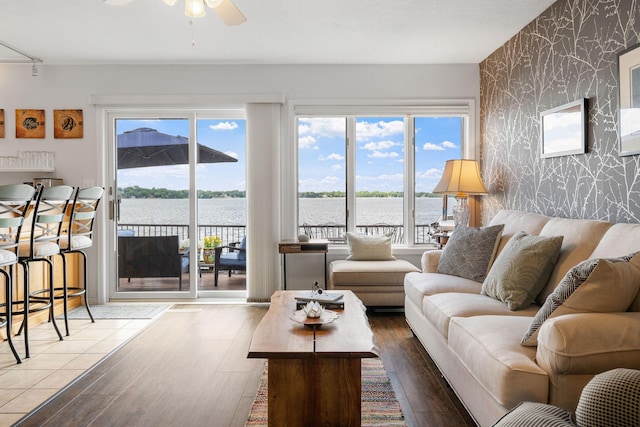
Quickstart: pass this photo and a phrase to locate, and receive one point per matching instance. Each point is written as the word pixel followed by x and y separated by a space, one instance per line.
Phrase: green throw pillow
pixel 470 251
pixel 522 269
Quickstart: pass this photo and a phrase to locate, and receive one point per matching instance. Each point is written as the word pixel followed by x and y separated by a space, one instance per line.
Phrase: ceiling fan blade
pixel 229 13
pixel 117 2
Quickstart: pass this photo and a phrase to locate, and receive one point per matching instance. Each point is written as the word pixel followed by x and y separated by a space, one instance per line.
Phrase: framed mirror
pixel 564 129
pixel 629 117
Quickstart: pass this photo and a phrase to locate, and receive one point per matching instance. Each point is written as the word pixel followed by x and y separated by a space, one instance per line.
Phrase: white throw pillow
pixel 369 248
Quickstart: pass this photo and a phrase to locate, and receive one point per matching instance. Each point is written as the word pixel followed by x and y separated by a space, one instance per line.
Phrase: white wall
pixel 70 87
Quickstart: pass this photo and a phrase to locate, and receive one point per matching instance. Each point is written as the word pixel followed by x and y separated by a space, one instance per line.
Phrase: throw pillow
pixel 534 414
pixel 369 248
pixel 469 252
pixel 522 269
pixel 593 286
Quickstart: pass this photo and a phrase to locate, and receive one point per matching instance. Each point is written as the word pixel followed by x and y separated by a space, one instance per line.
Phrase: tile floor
pixel 54 364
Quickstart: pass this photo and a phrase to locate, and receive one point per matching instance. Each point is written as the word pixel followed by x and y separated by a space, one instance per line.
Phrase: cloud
pixel 232 154
pixel 224 126
pixel 448 144
pixel 328 127
pixel 307 141
pixel 383 154
pixel 380 145
pixel 367 130
pixel 428 146
pixel 430 173
pixel 336 167
pixel 332 156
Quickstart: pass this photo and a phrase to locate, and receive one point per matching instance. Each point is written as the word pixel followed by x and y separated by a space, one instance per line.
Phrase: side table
pixel 295 247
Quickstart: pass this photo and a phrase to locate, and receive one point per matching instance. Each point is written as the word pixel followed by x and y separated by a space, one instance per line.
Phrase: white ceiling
pixel 276 31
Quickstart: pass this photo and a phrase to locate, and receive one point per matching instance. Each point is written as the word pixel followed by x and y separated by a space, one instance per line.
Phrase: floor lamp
pixel 462 178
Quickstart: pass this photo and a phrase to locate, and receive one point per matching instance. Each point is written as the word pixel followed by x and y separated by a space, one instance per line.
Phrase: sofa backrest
pixel 581 236
pixel 619 240
pixel 515 221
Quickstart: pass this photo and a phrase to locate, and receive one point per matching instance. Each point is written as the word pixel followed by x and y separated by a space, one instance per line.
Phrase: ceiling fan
pixel 226 9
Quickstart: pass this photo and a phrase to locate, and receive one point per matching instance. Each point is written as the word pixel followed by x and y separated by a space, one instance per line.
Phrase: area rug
pixel 119 311
pixel 379 404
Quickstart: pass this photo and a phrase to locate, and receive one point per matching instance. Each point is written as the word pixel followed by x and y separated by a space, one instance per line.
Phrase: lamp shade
pixel 461 177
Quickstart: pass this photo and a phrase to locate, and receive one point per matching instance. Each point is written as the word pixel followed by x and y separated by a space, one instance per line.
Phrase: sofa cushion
pixel 419 285
pixel 522 269
pixel 588 343
pixel 580 239
pixel 489 347
pixel 439 309
pixel 469 252
pixel 596 285
pixel 370 272
pixel 534 414
pixel 369 247
pixel 516 221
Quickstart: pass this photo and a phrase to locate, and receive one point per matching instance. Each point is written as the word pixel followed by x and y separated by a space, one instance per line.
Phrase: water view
pixel 232 211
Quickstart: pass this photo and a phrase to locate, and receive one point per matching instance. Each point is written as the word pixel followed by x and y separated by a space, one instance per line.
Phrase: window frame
pixel 351 110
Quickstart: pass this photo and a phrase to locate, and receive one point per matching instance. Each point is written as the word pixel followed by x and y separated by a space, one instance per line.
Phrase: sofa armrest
pixel 589 343
pixel 429 261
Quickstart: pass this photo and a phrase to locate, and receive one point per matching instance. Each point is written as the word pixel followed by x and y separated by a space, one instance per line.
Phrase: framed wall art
pixel 1 123
pixel 30 124
pixel 67 124
pixel 629 74
pixel 564 129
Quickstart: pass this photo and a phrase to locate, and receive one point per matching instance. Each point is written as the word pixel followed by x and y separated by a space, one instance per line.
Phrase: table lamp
pixel 462 178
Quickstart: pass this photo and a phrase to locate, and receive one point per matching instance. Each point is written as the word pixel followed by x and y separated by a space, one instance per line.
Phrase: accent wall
pixel 567 53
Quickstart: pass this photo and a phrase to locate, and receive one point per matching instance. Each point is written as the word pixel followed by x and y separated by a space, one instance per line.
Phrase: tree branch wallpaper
pixel 569 52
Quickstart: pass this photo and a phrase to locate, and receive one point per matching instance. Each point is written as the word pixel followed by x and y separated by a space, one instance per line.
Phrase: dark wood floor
pixel 189 368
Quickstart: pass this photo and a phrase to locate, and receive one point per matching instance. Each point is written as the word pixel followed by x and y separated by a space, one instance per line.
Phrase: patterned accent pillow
pixel 369 247
pixel 594 285
pixel 469 252
pixel 533 414
pixel 610 399
pixel 522 269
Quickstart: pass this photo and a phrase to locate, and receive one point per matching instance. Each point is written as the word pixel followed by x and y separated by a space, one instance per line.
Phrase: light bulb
pixel 194 8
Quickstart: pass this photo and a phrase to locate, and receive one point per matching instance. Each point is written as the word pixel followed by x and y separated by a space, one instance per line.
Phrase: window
pixel 374 173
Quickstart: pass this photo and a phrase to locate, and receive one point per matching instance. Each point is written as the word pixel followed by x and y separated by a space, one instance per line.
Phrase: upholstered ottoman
pixel 376 283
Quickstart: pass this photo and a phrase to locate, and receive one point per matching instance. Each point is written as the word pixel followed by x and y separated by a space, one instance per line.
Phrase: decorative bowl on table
pixel 314 314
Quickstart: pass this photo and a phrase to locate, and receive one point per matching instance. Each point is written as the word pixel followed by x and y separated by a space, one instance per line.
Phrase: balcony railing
pixel 235 233
pixel 228 233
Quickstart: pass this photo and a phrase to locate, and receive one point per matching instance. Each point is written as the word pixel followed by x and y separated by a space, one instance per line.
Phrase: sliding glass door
pixel 172 196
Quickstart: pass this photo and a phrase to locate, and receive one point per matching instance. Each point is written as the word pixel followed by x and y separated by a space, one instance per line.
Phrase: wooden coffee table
pixel 314 371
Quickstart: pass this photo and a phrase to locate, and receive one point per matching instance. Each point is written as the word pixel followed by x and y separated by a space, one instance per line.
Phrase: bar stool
pixel 14 205
pixel 78 235
pixel 43 243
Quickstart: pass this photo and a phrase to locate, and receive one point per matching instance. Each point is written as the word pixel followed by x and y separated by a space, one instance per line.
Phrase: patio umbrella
pixel 145 147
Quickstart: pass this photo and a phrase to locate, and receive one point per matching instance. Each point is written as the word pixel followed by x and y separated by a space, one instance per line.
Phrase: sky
pixel 322 153
pixel 379 152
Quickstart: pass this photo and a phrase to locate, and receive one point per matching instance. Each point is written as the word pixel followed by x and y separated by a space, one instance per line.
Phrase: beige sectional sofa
pixel 476 340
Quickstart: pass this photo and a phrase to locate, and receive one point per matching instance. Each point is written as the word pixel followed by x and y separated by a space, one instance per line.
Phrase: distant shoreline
pixel 164 193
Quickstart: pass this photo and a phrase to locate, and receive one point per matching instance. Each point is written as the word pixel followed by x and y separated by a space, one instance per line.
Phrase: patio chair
pixel 235 259
pixel 151 256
